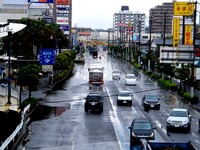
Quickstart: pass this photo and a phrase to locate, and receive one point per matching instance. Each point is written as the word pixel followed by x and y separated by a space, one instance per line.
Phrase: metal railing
pixel 17 131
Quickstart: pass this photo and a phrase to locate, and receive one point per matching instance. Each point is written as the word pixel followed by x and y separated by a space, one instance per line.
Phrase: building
pixel 57 11
pixel 125 23
pixel 160 18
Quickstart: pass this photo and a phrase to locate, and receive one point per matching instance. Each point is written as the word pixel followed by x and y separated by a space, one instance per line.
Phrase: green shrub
pixel 173 87
pixel 186 96
pixel 32 101
pixel 194 99
pixel 180 92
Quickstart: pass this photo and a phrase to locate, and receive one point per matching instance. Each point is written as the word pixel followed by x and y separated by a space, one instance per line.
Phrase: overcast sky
pixel 98 14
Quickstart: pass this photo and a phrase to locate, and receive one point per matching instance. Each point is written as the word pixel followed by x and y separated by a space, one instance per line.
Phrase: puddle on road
pixel 46 111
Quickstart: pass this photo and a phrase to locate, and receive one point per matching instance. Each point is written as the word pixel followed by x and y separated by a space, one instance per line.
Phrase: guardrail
pixel 18 129
pixel 4 91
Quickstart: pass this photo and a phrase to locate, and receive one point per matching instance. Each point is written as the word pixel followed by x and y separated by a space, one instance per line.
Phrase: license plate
pixel 124 101
pixel 152 105
pixel 93 103
pixel 176 125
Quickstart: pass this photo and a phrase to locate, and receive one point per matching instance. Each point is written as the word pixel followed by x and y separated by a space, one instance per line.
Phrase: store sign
pixel 176 31
pixel 183 8
pixel 40 1
pixel 62 20
pixel 62 2
pixel 188 35
pixel 41 5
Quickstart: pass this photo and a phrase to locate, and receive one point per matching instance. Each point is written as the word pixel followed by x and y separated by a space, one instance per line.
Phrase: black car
pixel 94 101
pixel 141 128
pixel 151 101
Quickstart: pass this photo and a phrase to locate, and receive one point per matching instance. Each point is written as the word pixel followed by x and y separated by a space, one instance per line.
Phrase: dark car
pixel 94 101
pixel 151 101
pixel 141 128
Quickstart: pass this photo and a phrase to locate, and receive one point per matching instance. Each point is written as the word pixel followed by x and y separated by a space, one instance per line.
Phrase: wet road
pixel 68 127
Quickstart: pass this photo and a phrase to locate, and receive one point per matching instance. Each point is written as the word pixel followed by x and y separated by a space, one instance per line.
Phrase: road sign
pixel 47 56
pixel 47 68
pixel 183 8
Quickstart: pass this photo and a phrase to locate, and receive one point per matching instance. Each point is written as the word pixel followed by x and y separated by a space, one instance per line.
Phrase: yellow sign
pixel 183 8
pixel 188 35
pixel 176 31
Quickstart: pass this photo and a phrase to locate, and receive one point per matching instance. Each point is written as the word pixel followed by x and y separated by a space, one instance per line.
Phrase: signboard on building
pixel 188 35
pixel 176 31
pixel 183 8
pixel 47 56
pixel 62 20
pixel 63 2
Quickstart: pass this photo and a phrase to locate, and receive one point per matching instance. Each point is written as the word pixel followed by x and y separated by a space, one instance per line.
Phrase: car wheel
pixel 86 109
pixel 168 129
pixel 158 108
pixel 117 102
pixel 130 103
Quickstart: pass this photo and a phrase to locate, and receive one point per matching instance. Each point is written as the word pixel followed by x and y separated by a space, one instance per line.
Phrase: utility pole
pixel 149 59
pixel 139 29
pixel 9 51
pixel 165 15
pixel 194 33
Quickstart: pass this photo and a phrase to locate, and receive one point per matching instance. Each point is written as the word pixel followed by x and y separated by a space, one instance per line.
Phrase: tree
pixel 29 76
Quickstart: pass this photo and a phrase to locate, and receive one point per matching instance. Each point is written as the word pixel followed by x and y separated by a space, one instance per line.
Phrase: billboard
pixel 188 35
pixel 176 31
pixel 63 2
pixel 183 8
pixel 62 20
pixel 12 2
pixel 40 1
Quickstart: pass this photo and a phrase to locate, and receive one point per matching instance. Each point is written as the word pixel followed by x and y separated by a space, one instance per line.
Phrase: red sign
pixel 62 2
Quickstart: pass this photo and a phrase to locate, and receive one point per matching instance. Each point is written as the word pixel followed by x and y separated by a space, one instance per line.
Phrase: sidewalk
pixel 41 93
pixel 196 92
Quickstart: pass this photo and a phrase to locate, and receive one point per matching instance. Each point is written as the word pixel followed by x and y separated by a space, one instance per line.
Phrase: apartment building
pixel 160 18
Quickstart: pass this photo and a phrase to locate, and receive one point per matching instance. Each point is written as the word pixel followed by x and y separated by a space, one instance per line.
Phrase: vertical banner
pixel 188 35
pixel 176 31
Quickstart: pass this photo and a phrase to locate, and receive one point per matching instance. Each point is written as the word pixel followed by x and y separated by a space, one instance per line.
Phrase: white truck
pixel 96 75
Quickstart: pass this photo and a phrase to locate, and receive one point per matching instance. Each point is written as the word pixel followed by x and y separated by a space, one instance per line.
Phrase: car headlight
pixel 185 122
pixel 134 135
pixel 169 121
pixel 152 135
pixel 145 102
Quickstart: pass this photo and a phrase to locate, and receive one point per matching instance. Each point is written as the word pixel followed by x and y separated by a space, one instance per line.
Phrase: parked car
pixel 179 118
pixel 116 74
pixel 141 128
pixel 130 79
pixel 150 101
pixel 124 97
pixel 93 101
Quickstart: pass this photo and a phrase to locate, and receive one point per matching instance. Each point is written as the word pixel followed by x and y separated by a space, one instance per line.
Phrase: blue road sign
pixel 47 56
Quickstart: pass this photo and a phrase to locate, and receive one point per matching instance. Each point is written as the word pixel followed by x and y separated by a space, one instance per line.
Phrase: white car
pixel 116 74
pixel 124 97
pixel 130 79
pixel 179 118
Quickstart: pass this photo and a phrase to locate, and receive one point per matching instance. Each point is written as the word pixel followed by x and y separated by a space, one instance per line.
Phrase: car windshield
pixel 142 126
pixel 151 97
pixel 93 98
pixel 179 113
pixel 130 77
pixel 124 93
pixel 116 72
